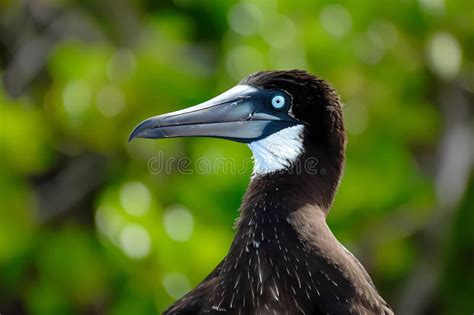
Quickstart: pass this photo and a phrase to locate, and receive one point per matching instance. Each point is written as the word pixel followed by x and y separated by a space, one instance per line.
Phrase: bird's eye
pixel 278 102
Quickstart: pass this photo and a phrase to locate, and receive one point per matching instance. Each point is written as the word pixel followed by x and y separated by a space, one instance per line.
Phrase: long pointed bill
pixel 242 114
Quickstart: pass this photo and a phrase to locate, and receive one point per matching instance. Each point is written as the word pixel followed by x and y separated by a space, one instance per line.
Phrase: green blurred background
pixel 89 225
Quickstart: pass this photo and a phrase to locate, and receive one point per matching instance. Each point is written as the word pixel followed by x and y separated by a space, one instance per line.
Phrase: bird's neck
pixel 312 179
pixel 272 199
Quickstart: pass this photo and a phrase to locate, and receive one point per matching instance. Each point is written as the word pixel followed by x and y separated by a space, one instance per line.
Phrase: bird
pixel 284 259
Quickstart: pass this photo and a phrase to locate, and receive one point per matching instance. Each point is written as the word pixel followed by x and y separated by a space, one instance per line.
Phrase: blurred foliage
pixel 88 225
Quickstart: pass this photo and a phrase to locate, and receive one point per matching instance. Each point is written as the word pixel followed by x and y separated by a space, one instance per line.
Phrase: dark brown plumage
pixel 284 259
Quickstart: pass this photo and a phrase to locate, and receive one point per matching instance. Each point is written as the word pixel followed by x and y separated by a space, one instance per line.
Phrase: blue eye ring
pixel 278 102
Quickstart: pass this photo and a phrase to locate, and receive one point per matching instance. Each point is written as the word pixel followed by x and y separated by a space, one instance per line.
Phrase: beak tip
pixel 143 129
pixel 134 134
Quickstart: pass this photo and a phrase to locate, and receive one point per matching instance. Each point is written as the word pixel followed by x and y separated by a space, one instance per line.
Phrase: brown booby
pixel 284 258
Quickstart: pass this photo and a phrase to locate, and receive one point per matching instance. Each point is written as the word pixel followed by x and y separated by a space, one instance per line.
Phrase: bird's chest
pixel 266 272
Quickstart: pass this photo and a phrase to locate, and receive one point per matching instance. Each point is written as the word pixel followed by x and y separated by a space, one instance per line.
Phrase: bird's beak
pixel 243 113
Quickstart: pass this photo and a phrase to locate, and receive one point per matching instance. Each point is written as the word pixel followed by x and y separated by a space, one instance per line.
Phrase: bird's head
pixel 279 114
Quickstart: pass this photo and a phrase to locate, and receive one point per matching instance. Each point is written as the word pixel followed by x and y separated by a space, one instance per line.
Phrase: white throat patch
pixel 277 151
